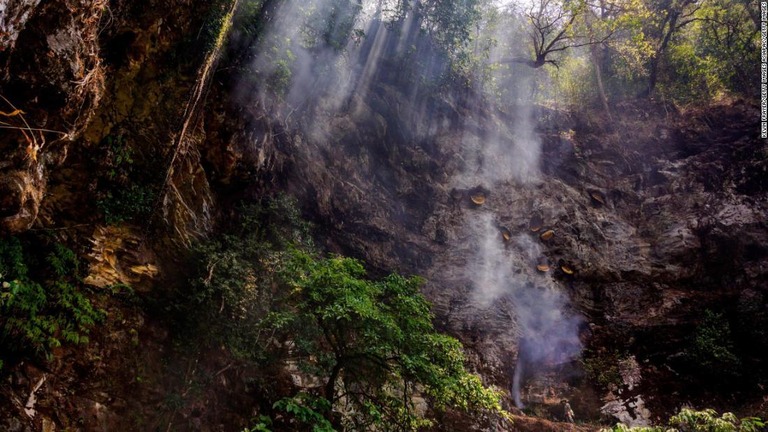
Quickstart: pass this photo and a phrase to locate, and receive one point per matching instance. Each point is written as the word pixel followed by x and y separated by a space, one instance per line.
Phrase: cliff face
pixel 541 233
pixel 657 220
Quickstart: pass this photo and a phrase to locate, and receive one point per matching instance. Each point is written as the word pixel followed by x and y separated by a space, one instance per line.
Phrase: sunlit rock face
pixel 391 167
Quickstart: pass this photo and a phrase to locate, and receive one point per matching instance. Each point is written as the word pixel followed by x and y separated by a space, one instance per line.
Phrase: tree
pixel 729 35
pixel 670 17
pixel 449 23
pixel 555 26
pixel 370 343
pixel 609 22
pixel 374 344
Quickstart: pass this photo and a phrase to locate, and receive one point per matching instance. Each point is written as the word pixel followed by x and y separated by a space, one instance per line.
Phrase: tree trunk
pixel 653 76
pixel 596 59
pixel 330 385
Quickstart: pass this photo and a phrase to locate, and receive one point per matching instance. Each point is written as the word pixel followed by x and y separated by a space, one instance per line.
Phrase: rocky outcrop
pixel 13 19
pixel 90 91
pixel 52 81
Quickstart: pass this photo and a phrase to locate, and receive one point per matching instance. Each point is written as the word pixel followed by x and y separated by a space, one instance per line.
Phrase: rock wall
pixel 655 219
pixel 52 81
pixel 89 92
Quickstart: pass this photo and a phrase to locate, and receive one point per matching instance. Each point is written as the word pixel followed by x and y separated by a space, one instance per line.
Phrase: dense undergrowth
pixel 707 420
pixel 43 303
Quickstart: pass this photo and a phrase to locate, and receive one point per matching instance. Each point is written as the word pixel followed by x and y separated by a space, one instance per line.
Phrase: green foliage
pixel 330 24
pixel 263 425
pixel 308 410
pixel 689 75
pixel 247 22
pixel 688 420
pixel 127 188
pixel 278 79
pixel 212 29
pixel 131 203
pixel 217 24
pixel 711 350
pixel 236 273
pixel 716 53
pixel 568 81
pixel 728 38
pixel 707 420
pixel 450 22
pixel 689 50
pixel 41 311
pixel 604 366
pixel 371 343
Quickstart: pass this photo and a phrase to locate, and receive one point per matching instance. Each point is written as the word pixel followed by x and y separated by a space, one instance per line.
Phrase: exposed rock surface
pixel 656 218
pixel 52 81
pixel 13 18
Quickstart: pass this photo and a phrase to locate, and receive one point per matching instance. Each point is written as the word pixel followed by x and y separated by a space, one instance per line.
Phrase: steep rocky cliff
pixel 575 256
pixel 657 217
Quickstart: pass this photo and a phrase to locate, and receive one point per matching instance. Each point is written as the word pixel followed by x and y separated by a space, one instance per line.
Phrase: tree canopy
pixel 374 345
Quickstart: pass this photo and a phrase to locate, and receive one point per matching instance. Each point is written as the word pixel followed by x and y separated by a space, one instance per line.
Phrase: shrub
pixel 370 343
pixel 604 366
pixel 236 273
pixel 41 311
pixel 712 351
pixel 128 183
pixel 707 420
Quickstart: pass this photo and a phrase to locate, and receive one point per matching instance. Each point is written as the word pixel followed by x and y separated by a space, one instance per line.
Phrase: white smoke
pixel 550 333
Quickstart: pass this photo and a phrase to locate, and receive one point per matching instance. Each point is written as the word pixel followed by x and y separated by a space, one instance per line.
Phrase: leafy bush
pixel 41 311
pixel 370 344
pixel 692 77
pixel 236 273
pixel 373 342
pixel 604 366
pixel 712 350
pixel 689 420
pixel 308 410
pixel 127 185
pixel 126 204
